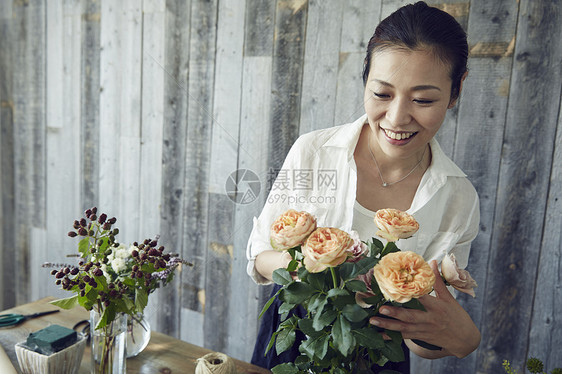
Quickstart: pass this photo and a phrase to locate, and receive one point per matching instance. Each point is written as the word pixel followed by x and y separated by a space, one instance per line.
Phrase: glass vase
pixel 138 334
pixel 108 345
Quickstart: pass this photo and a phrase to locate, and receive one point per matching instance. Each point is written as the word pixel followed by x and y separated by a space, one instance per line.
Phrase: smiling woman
pixel 388 158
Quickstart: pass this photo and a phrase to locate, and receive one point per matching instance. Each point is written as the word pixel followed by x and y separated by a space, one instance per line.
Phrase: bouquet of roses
pixel 342 282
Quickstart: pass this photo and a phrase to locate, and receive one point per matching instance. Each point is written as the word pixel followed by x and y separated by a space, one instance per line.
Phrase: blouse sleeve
pixel 273 208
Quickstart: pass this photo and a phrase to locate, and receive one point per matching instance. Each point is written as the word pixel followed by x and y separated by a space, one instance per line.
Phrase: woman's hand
pixel 444 323
pixel 269 261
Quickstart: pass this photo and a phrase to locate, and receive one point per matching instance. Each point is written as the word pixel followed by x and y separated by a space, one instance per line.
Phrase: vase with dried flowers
pixel 112 281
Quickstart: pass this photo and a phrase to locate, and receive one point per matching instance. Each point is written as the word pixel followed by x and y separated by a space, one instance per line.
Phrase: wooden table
pixel 163 355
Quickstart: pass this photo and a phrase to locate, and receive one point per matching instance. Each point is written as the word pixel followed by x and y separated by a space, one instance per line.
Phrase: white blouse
pixel 319 176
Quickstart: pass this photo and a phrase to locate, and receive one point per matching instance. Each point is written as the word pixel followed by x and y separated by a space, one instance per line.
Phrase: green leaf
pixel 296 293
pixel 103 244
pixel 305 325
pixel 374 300
pixel 84 247
pixel 354 313
pixel 282 276
pixel 286 368
pixel 323 319
pixel 317 303
pixel 366 264
pixel 335 292
pixel 66 303
pixel 285 340
pixel 356 286
pixel 317 280
pixel 315 347
pixel 369 337
pixel 292 265
pixel 271 342
pixel 389 248
pixel 393 351
pixel 344 341
pixel 414 304
pixel 269 302
pixel 141 299
pixel 348 271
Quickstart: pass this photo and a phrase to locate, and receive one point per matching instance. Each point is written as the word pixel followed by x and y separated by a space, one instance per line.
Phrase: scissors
pixel 16 319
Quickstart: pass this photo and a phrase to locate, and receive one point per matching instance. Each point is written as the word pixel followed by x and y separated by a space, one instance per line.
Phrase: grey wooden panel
pixel 253 156
pixel 288 55
pixel 523 185
pixel 199 127
pixel 151 139
pixel 258 39
pixel 320 69
pixel 7 167
pixel 545 335
pixel 90 102
pixel 174 134
pixel 360 18
pixel 219 274
pixel 486 88
pixel 29 135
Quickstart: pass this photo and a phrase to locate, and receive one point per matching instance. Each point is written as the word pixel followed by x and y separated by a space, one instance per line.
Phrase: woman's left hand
pixel 444 323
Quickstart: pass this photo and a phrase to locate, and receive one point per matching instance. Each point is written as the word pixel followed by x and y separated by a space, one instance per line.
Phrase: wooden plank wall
pixel 146 108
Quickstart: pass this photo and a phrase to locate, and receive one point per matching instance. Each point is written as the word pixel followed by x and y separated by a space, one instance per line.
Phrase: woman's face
pixel 407 95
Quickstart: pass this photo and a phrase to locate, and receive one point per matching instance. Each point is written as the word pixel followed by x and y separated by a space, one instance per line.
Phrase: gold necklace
pixel 386 184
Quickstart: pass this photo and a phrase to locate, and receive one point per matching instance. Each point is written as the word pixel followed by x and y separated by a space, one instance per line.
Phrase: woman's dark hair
pixel 418 26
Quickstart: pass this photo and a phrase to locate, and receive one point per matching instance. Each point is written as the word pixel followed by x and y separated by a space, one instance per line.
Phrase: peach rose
pixel 325 247
pixel 394 224
pixel 458 278
pixel 402 276
pixel 291 229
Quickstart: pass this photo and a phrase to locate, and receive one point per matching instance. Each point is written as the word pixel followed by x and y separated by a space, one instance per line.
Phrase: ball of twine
pixel 215 363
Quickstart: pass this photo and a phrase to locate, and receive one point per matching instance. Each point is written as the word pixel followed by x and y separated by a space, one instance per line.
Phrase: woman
pixel 388 158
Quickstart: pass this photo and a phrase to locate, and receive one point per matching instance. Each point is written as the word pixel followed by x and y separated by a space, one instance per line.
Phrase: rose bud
pixel 74 271
pixel 139 274
pixel 106 226
pixel 112 220
pixel 53 272
pixel 66 270
pixel 94 210
pixel 59 275
pixel 135 244
pixel 93 283
pixel 88 266
pixel 143 256
pixel 83 293
pixel 102 218
pixel 83 222
pixel 82 231
pixel 153 243
pixel 81 285
pixel 135 253
pixel 72 234
pixel 76 224
pixel 58 282
pixel 87 279
pixel 93 217
pixel 115 231
pixel 88 212
pixel 91 232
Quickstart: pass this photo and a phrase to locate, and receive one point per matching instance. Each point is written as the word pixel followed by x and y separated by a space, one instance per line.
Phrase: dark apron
pixel 269 324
